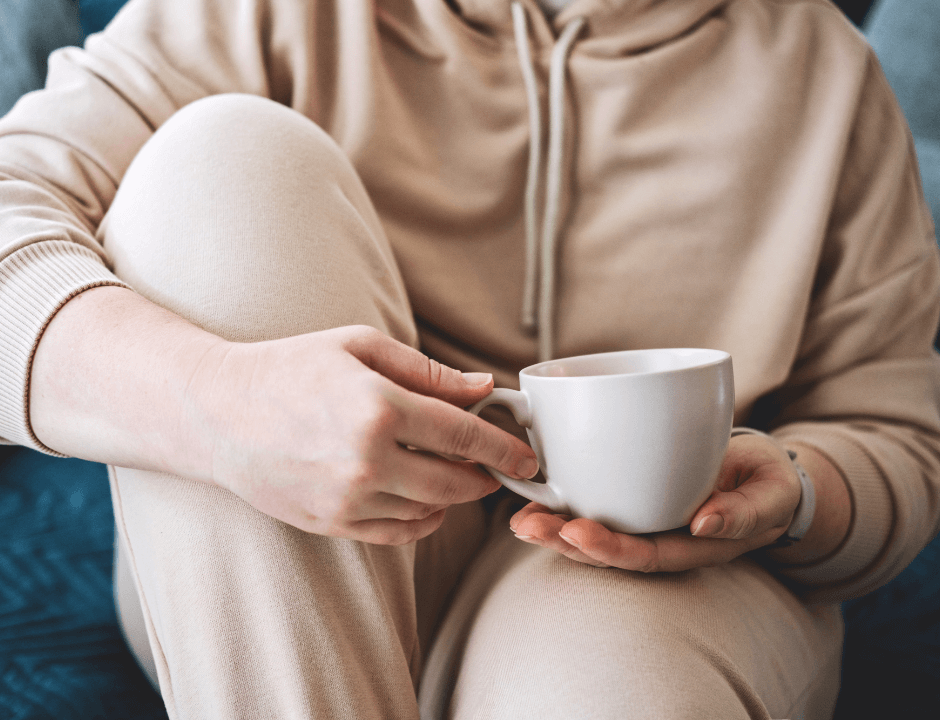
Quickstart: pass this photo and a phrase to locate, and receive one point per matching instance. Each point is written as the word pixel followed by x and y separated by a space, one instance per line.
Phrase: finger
pixel 414 370
pixel 393 532
pixel 432 480
pixel 515 522
pixel 385 506
pixel 659 552
pixel 542 528
pixel 434 425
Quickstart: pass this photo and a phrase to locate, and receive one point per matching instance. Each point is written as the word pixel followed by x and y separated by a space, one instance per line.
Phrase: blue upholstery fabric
pixel 906 36
pixel 95 14
pixel 62 656
pixel 29 31
pixel 856 10
pixel 891 663
pixel 891 660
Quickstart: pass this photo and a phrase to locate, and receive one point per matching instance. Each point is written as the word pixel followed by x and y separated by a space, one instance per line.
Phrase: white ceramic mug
pixel 633 439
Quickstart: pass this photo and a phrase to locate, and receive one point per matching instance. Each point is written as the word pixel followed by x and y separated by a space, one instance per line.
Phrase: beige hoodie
pixel 731 174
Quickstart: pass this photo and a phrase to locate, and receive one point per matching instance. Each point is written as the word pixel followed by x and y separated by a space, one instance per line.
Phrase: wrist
pixel 203 401
pixel 821 520
pixel 833 514
pixel 805 510
pixel 112 378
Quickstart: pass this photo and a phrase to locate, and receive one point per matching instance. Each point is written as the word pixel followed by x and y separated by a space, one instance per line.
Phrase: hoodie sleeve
pixel 865 388
pixel 64 149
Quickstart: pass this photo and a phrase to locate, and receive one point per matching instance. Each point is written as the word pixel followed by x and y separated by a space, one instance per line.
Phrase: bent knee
pixel 244 217
pixel 235 132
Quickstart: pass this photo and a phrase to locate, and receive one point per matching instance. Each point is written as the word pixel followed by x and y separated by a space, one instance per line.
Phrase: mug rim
pixel 722 356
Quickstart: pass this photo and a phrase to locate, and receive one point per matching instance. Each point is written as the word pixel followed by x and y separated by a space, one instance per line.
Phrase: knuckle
pixel 364 332
pixel 350 484
pixel 364 476
pixel 423 512
pixel 433 510
pixel 465 437
pixel 424 527
pixel 333 523
pixel 449 492
pixel 433 522
pixel 404 532
pixel 353 335
pixel 506 454
pixel 338 511
pixel 381 537
pixel 739 513
pixel 377 415
pixel 746 524
pixel 363 341
pixel 648 562
pixel 435 373
pixel 400 533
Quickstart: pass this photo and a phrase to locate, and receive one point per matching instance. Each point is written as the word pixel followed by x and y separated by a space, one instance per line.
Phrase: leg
pixel 129 612
pixel 245 218
pixel 532 634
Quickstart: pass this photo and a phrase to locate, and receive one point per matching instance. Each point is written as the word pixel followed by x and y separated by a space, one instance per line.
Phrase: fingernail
pixel 523 537
pixel 572 542
pixel 477 379
pixel 527 468
pixel 709 525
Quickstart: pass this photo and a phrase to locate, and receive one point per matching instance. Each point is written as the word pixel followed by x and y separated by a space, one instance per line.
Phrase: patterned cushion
pixel 62 656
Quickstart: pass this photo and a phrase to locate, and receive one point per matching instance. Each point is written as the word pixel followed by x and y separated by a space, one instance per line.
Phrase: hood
pixel 613 27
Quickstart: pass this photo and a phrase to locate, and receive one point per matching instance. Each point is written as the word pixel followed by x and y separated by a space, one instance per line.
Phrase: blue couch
pixel 891 665
pixel 61 652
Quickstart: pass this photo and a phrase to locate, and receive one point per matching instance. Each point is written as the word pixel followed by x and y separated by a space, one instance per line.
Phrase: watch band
pixel 803 515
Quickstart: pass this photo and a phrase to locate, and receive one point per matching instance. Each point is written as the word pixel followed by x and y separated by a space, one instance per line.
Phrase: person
pixel 258 255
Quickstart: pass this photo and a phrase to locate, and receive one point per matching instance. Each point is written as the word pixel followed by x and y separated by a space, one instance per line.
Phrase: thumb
pixel 757 492
pixel 415 371
pixel 752 509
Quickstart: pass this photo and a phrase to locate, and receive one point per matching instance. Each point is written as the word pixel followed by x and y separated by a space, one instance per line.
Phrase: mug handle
pixel 518 404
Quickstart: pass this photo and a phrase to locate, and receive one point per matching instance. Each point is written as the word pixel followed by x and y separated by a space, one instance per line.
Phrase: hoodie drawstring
pixel 538 303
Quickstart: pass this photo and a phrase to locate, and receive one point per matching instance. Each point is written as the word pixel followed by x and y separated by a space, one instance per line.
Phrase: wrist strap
pixel 803 515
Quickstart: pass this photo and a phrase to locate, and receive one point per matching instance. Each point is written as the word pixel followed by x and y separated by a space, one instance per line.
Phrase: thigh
pixel 532 634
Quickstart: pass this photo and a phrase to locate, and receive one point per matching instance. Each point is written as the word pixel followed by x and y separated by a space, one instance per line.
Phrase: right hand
pixel 320 431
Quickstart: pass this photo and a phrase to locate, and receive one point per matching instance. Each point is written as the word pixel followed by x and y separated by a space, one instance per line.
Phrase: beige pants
pixel 244 217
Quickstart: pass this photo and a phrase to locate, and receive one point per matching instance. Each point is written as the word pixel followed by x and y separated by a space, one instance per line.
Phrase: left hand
pixel 752 505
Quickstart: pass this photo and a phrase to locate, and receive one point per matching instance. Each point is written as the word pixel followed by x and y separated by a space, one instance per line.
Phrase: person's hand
pixel 753 504
pixel 335 432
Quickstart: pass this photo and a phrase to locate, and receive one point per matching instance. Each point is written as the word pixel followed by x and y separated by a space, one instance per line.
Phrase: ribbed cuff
pixel 35 282
pixel 872 506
